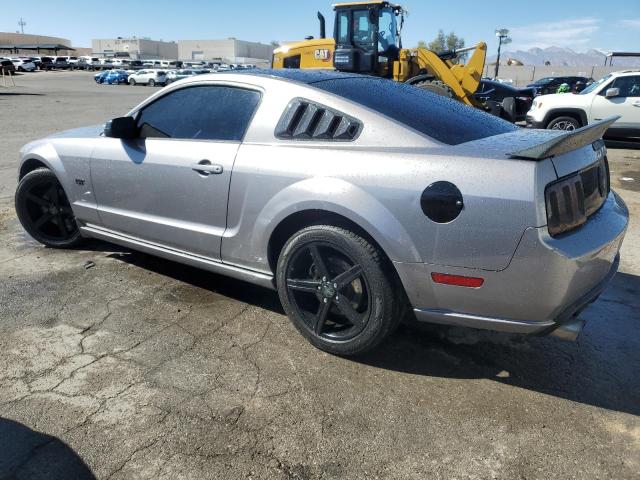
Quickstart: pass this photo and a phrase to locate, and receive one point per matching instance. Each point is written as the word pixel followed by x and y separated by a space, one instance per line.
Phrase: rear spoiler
pixel 566 141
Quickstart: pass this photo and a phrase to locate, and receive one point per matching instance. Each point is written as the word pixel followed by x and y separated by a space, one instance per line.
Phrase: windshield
pixel 595 85
pixel 544 80
pixel 363 30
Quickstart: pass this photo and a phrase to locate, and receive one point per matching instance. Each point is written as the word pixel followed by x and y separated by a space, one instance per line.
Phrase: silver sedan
pixel 362 201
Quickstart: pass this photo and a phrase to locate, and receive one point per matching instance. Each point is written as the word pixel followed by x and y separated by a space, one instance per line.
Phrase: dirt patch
pixel 628 180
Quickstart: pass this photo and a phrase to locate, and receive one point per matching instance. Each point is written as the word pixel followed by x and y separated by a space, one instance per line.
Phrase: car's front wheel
pixel 132 82
pixel 563 123
pixel 337 289
pixel 44 210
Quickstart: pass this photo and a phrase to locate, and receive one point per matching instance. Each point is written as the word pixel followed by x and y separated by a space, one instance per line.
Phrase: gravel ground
pixel 136 367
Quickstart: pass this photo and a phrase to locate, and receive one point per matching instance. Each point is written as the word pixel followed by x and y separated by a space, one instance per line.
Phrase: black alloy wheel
pixel 337 290
pixel 329 291
pixel 44 210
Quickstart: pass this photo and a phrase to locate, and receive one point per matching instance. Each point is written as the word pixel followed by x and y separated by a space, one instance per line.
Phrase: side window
pixel 200 113
pixel 629 86
pixel 343 28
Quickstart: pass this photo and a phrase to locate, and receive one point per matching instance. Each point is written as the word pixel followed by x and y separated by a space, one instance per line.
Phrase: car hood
pixel 83 132
pixel 569 99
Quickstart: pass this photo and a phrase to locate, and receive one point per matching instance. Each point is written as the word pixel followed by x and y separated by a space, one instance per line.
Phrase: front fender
pixel 45 153
pixel 342 198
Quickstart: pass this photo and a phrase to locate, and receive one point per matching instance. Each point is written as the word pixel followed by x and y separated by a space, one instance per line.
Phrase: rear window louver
pixel 307 120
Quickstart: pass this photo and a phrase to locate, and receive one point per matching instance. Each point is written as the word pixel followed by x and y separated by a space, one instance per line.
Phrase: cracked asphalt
pixel 118 365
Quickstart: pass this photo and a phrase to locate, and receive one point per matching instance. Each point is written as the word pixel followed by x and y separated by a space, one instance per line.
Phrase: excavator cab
pixel 367 36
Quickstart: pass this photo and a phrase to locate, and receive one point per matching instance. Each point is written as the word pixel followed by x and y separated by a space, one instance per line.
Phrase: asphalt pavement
pixel 118 365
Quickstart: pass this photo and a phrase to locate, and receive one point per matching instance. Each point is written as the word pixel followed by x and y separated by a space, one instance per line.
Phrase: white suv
pixel 617 93
pixel 149 77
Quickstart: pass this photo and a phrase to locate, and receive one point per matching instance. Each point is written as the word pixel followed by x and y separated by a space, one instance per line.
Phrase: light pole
pixel 503 37
pixel 22 23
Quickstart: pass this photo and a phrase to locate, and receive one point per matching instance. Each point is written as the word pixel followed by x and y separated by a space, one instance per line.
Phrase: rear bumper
pixel 547 283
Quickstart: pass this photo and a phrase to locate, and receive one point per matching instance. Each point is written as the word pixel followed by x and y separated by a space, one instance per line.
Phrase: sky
pixel 580 25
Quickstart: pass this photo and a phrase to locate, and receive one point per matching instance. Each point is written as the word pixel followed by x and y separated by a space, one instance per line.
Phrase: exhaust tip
pixel 569 331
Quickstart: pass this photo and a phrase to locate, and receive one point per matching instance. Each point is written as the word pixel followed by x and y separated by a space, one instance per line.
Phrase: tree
pixel 443 43
pixel 275 43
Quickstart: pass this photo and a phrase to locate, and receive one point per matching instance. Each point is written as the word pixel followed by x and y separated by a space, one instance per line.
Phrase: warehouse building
pixel 11 43
pixel 136 48
pixel 229 50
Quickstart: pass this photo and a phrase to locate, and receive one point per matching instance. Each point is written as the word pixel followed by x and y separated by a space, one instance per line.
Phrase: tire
pixel 132 82
pixel 437 87
pixel 152 82
pixel 44 211
pixel 563 123
pixel 349 268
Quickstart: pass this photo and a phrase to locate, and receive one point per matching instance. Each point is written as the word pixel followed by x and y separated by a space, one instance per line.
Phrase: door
pixel 626 103
pixel 170 186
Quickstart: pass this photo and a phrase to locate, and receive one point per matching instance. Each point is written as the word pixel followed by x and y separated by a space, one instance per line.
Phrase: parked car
pixel 617 93
pixel 174 75
pixel 150 77
pixel 504 100
pixel 23 65
pixel 89 63
pixel 112 77
pixel 7 66
pixel 283 179
pixel 59 63
pixel 549 85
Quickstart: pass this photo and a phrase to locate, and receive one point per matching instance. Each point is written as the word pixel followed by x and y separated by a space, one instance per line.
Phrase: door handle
pixel 205 167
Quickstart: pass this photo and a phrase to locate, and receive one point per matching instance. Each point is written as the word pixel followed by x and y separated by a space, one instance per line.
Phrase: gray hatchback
pixel 362 201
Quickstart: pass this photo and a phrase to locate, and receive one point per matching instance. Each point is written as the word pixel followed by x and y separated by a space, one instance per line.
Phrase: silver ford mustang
pixel 360 200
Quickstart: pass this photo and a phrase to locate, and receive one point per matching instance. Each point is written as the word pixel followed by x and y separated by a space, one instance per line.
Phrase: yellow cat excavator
pixel 367 39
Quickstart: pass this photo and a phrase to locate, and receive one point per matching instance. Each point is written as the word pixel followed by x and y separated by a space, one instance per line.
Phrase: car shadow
pixel 26 453
pixel 600 369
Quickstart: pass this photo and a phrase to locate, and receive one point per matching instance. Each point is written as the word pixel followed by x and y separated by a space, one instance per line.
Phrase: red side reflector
pixel 458 280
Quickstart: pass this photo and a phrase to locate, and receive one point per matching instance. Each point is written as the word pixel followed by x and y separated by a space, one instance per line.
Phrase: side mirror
pixel 121 127
pixel 612 92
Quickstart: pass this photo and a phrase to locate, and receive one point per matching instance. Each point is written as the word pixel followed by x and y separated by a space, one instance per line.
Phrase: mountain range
pixel 558 56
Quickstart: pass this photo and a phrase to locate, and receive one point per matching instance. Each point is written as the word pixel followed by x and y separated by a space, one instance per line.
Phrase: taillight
pixel 457 280
pixel 571 200
pixel 565 205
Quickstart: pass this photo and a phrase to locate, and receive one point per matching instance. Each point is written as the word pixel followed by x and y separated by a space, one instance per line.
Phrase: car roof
pixel 625 72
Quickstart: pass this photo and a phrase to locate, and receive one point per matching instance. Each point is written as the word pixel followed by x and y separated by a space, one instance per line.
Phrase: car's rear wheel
pixel 132 82
pixel 44 210
pixel 152 83
pixel 563 123
pixel 337 290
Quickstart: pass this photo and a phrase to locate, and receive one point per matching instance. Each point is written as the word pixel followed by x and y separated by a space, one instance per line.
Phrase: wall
pixel 229 50
pixel 522 75
pixel 137 48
